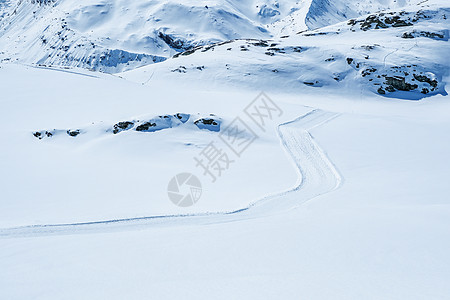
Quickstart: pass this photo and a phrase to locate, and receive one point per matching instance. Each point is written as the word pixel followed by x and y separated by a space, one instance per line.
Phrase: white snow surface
pixel 356 207
pixel 344 193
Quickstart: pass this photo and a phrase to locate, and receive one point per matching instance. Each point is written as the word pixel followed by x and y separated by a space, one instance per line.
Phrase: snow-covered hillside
pixel 401 54
pixel 112 36
pixel 224 149
pixel 351 189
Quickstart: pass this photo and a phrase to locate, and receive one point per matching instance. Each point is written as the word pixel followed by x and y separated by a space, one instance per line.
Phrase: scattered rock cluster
pixel 270 45
pixel 386 20
pixel 50 133
pixel 432 35
pixel 42 2
pixel 382 79
pixel 406 78
pixel 122 126
pixel 211 123
pixel 397 78
pixel 41 134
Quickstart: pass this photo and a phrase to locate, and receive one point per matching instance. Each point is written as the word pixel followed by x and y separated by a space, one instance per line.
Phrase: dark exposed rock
pixel 315 33
pixel 180 69
pixel 173 42
pixel 121 126
pixel 223 43
pixel 42 2
pixel 431 35
pixel 368 71
pixel 368 47
pixel 182 117
pixel 390 89
pixel 423 78
pixel 397 22
pixel 372 19
pixel 42 134
pixel 146 126
pixel 261 43
pixel 208 123
pixel 279 50
pixel 211 47
pixel 384 20
pixel 408 35
pixel 314 83
pixel 188 52
pixel 73 133
pixel 399 83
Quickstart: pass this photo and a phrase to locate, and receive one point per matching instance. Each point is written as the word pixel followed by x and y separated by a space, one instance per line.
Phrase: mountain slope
pixel 399 54
pixel 112 36
pixel 384 234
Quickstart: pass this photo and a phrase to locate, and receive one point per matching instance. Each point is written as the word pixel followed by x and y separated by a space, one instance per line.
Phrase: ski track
pixel 316 172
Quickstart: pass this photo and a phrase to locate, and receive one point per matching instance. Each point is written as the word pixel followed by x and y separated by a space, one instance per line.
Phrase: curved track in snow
pixel 318 176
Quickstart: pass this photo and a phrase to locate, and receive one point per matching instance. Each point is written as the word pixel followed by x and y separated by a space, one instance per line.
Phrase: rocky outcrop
pixel 399 83
pixel 432 35
pixel 73 133
pixel 384 20
pixel 122 126
pixel 211 123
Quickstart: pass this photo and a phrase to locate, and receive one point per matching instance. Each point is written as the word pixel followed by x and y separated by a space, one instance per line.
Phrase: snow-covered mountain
pixel 112 36
pixel 395 53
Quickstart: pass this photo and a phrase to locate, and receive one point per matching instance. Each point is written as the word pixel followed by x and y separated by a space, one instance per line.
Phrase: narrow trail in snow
pixel 318 176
